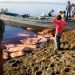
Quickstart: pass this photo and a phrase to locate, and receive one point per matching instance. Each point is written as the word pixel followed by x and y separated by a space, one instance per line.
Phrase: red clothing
pixel 59 25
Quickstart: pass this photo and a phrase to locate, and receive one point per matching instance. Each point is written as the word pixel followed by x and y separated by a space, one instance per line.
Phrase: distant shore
pixel 32 23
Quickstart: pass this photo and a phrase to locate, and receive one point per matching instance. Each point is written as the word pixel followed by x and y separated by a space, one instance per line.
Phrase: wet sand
pixel 45 60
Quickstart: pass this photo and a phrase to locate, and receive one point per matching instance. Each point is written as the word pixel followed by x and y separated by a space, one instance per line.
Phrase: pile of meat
pixel 42 37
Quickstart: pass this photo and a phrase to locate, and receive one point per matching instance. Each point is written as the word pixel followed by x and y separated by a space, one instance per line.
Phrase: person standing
pixel 60 23
pixel 2 29
pixel 68 8
pixel 73 10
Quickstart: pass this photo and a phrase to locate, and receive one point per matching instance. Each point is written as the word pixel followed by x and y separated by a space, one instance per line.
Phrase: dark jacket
pixel 68 7
pixel 2 29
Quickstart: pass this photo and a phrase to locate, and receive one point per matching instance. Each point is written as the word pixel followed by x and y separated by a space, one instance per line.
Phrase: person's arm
pixel 2 26
pixel 66 7
pixel 55 21
pixel 65 24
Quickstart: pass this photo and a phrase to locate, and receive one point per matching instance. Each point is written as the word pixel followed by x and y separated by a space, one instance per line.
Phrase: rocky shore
pixel 45 60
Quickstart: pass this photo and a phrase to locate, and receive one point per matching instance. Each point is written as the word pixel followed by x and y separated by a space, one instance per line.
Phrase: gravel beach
pixel 45 60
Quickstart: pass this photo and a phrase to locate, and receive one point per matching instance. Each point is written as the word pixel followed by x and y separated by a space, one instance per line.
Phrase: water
pixel 11 35
pixel 33 9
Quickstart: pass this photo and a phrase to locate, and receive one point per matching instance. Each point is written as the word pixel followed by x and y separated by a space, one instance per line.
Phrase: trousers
pixel 57 40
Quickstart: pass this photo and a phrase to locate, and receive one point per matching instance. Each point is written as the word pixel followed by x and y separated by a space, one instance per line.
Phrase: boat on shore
pixel 40 22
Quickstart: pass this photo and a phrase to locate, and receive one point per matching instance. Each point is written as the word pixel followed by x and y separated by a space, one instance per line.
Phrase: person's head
pixel 58 17
pixel 60 12
pixel 52 10
pixel 68 2
pixel 72 4
pixel 64 11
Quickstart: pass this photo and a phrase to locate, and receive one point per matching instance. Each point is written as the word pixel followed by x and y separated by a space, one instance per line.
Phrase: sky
pixel 62 1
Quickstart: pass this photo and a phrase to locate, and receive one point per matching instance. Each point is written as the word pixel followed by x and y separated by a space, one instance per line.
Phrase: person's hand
pixel 55 17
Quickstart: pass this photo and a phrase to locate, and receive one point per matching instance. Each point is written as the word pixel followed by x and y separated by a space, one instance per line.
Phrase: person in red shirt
pixel 60 23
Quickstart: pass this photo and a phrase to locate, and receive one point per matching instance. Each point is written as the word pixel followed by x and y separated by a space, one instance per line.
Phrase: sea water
pixel 12 35
pixel 31 8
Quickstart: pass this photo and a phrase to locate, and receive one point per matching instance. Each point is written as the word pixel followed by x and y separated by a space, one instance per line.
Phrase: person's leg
pixel 57 40
pixel 49 14
pixel 67 14
pixel 1 60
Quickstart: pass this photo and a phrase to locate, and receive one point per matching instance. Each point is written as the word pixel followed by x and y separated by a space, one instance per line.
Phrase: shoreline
pixel 33 23
pixel 35 29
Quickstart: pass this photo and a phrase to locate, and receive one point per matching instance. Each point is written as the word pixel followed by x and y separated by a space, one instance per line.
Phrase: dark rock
pixel 68 66
pixel 59 56
pixel 12 61
pixel 52 65
pixel 46 67
pixel 36 69
pixel 66 69
pixel 57 72
pixel 53 73
pixel 15 64
pixel 39 73
pixel 32 64
pixel 29 71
